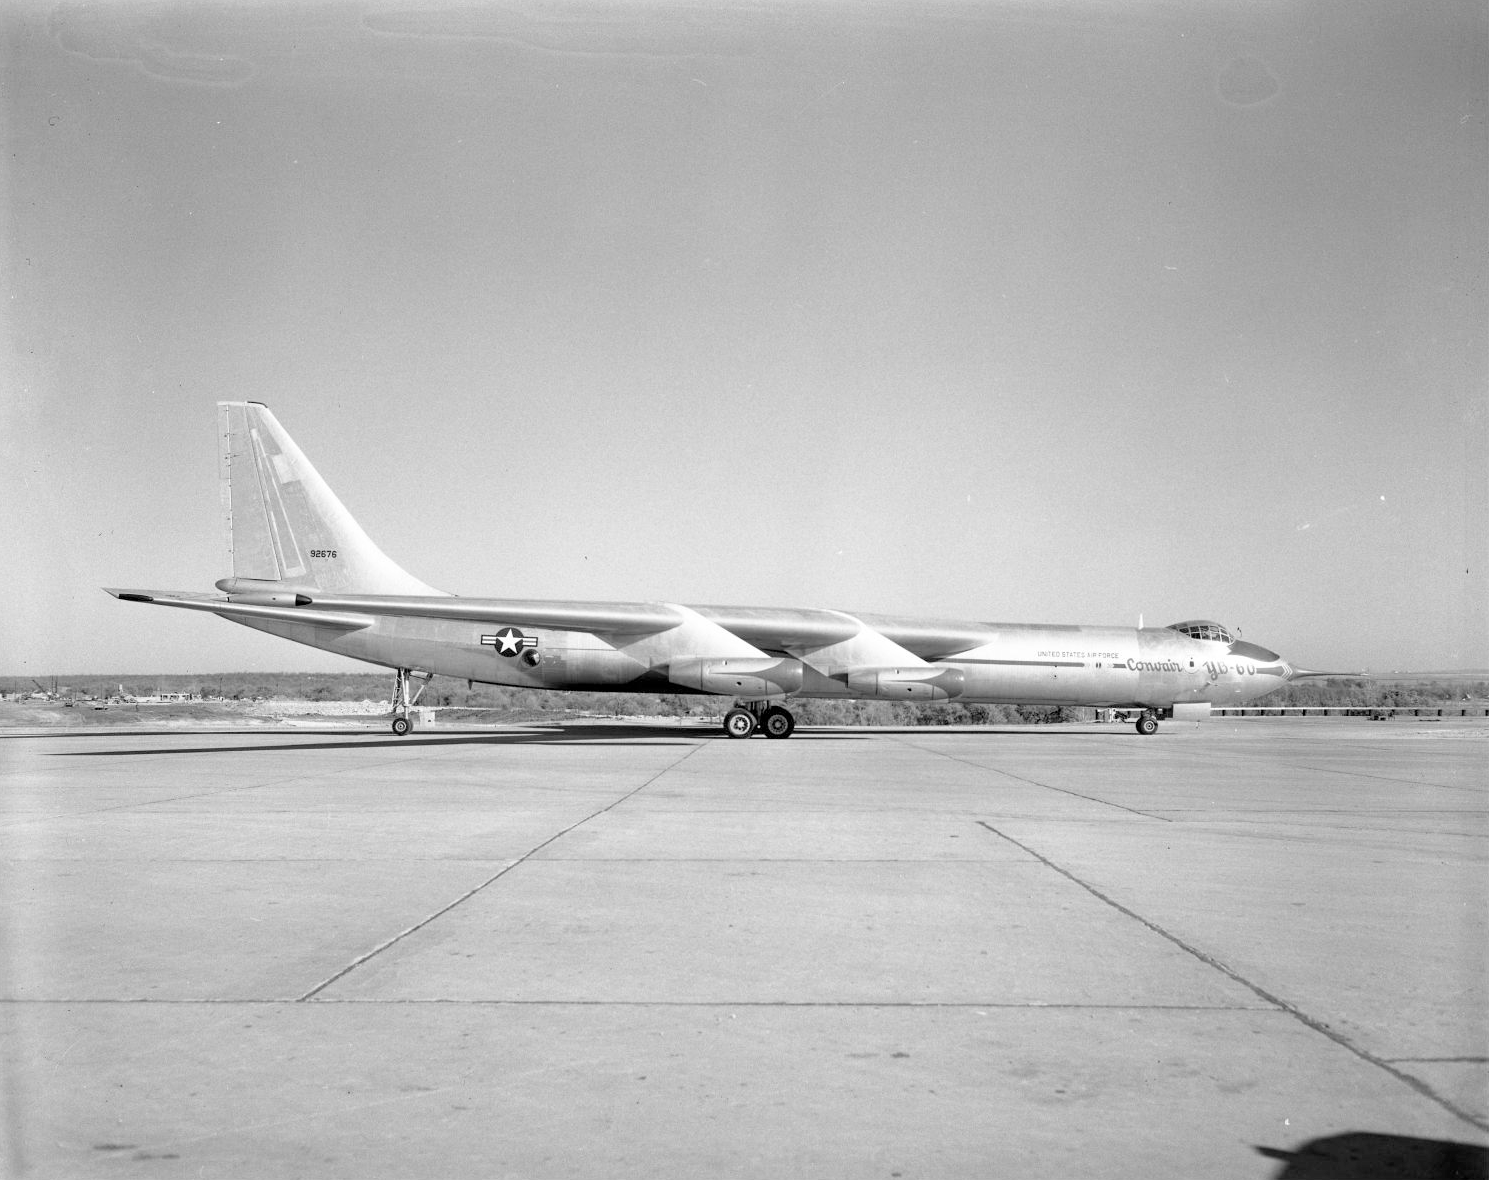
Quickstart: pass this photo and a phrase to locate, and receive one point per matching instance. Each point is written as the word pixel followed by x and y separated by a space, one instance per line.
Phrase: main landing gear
pixel 744 720
pixel 402 703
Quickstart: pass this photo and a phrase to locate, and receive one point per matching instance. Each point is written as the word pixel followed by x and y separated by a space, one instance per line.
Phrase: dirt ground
pixel 195 714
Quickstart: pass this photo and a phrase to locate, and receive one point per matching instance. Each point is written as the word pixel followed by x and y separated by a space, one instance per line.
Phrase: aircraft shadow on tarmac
pixel 1361 1155
pixel 589 735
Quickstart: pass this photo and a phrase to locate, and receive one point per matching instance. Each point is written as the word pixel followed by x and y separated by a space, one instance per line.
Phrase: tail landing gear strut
pixel 402 703
pixel 745 719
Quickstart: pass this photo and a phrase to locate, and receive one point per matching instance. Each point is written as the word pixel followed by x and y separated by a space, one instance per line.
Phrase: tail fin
pixel 284 525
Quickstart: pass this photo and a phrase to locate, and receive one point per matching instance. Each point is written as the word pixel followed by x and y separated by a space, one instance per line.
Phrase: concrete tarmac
pixel 620 950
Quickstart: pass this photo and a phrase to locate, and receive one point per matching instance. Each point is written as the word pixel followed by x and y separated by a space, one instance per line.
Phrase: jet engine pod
pixel 257 592
pixel 908 684
pixel 741 677
pixel 264 598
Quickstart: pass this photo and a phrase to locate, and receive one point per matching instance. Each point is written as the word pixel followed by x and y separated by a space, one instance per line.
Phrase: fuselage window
pixel 1210 631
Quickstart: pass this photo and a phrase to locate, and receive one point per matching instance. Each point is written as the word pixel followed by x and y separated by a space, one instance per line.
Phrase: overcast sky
pixel 997 311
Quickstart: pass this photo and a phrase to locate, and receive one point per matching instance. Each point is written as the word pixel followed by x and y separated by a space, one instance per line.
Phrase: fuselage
pixel 784 652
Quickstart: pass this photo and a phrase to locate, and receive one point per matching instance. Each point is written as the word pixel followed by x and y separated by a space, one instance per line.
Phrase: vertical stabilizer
pixel 284 524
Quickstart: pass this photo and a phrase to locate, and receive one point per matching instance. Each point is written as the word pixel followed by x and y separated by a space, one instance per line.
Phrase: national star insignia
pixel 508 641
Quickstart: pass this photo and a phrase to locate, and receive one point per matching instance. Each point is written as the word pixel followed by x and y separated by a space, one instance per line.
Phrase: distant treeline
pixel 528 704
pixel 1383 693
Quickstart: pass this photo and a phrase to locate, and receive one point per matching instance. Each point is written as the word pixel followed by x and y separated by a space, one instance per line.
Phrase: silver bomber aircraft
pixel 304 570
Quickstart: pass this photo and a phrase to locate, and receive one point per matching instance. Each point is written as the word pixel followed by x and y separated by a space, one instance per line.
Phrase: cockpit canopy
pixel 1203 629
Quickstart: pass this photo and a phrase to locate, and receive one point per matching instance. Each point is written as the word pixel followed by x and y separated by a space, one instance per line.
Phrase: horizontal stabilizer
pixel 243 610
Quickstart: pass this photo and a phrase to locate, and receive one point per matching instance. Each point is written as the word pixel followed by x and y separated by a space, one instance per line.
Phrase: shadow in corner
pixel 1360 1155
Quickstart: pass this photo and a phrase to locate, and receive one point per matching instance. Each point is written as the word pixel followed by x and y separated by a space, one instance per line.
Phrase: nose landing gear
pixel 1147 723
pixel 744 720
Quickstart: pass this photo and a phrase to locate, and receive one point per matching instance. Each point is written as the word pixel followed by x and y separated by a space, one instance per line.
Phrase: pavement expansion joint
pixel 1310 833
pixel 857 1005
pixel 468 894
pixel 762 860
pixel 148 803
pixel 1385 778
pixel 459 1002
pixel 1034 782
pixel 142 804
pixel 1292 1010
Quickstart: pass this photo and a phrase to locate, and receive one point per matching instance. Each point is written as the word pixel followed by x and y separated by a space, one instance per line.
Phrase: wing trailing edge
pixel 610 618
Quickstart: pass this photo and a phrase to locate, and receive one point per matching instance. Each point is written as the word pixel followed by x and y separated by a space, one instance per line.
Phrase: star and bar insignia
pixel 509 641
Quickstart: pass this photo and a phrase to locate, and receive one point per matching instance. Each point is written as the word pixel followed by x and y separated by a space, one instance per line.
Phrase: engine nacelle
pixel 908 684
pixel 256 592
pixel 274 598
pixel 738 676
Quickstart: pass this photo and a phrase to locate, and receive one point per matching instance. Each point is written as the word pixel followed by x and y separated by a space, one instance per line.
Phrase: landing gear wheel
pixel 402 700
pixel 1147 725
pixel 778 723
pixel 739 723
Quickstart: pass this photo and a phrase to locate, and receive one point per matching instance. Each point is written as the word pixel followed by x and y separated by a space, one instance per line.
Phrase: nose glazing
pixel 1254 651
